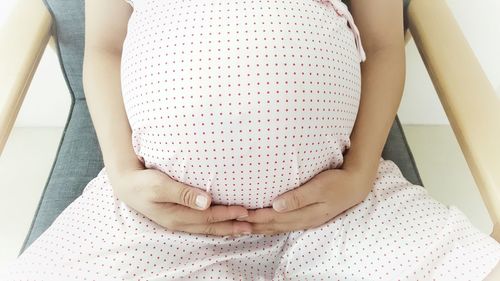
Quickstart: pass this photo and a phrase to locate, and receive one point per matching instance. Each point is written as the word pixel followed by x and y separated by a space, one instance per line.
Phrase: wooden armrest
pixel 467 96
pixel 23 40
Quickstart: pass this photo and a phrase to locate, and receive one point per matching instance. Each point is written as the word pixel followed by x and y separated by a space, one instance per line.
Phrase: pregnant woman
pixel 242 141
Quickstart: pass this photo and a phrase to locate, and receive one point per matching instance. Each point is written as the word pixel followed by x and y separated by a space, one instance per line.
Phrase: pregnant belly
pixel 246 101
pixel 242 150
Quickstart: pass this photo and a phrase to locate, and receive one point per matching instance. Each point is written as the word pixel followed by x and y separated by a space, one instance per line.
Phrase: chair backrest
pixel 69 31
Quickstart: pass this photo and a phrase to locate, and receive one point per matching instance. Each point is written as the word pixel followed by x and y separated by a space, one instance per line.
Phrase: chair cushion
pixel 79 157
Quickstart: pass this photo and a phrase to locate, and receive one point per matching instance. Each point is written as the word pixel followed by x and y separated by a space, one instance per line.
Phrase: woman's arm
pixel 151 192
pixel 380 23
pixel 333 191
pixel 104 36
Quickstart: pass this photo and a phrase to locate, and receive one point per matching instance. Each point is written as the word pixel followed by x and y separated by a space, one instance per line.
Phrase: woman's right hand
pixel 172 204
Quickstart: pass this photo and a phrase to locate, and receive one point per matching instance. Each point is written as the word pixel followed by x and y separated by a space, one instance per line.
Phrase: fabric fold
pixel 343 10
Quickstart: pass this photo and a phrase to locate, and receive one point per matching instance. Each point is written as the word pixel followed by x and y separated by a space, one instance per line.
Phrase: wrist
pixel 362 159
pixel 116 169
pixel 367 165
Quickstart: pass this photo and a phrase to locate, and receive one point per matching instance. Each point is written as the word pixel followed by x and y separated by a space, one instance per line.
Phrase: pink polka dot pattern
pixel 243 99
pixel 247 100
pixel 397 233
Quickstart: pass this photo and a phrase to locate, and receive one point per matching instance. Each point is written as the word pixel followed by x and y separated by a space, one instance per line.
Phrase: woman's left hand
pixel 320 199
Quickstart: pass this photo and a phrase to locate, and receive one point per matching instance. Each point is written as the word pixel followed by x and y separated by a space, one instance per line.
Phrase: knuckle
pixel 210 216
pixel 295 200
pixel 270 220
pixel 210 229
pixel 186 196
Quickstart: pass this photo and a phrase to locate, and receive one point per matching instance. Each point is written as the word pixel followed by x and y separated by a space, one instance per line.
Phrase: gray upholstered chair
pixel 461 85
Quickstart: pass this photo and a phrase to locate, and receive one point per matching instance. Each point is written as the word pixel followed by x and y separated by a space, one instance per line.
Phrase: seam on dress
pixel 343 11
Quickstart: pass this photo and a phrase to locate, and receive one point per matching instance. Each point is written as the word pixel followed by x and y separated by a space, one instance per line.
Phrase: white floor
pixel 29 154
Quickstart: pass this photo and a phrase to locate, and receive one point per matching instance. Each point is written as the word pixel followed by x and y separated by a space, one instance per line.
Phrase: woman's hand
pixel 323 197
pixel 173 205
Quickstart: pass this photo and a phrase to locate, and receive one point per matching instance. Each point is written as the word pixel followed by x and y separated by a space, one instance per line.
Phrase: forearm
pixel 382 83
pixel 101 82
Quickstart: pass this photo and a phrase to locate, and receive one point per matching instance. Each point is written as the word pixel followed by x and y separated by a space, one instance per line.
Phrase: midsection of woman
pixel 248 100
pixel 243 99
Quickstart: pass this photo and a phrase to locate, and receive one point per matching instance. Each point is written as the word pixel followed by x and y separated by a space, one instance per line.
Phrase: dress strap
pixel 343 10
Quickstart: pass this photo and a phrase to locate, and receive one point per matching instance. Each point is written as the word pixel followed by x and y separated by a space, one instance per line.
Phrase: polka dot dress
pixel 247 100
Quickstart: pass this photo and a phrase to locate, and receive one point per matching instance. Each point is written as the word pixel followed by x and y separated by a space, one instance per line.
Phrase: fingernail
pixel 246 232
pixel 279 205
pixel 242 216
pixel 201 201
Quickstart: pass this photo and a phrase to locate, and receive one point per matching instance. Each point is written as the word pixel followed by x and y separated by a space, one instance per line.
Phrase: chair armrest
pixel 24 38
pixel 467 96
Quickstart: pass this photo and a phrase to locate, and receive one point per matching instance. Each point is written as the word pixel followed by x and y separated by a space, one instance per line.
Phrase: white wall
pixel 481 26
pixel 48 100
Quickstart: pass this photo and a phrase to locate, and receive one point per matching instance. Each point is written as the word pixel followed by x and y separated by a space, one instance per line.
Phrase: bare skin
pixel 380 23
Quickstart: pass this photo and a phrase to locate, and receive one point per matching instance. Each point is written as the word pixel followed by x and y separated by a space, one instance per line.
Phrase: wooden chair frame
pixel 468 98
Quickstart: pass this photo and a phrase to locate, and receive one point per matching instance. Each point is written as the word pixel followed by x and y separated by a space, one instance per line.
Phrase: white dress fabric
pixel 247 100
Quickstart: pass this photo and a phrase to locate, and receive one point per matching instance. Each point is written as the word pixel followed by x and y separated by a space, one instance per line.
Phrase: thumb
pixel 183 194
pixel 190 196
pixel 297 198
